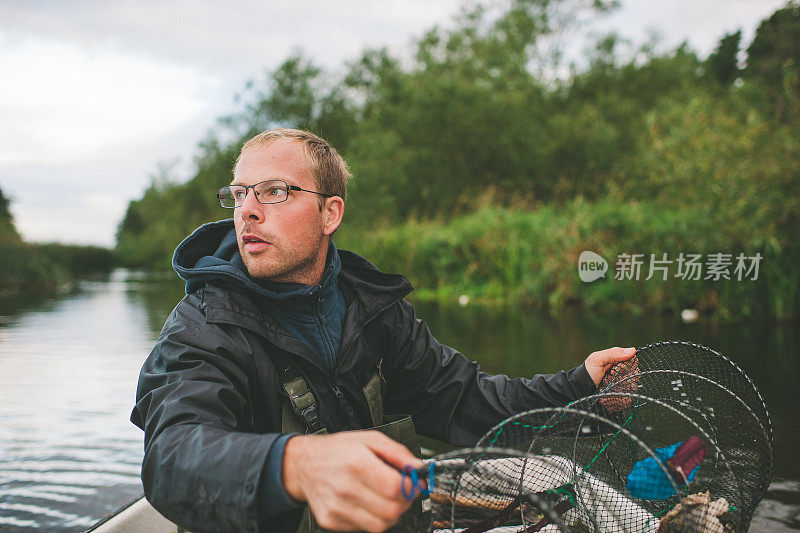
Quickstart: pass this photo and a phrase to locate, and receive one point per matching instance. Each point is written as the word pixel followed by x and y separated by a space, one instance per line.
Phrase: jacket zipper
pixel 318 318
pixel 345 405
pixel 337 391
pixel 358 334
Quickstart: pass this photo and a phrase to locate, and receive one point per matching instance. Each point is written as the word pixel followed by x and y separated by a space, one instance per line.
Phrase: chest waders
pixel 300 415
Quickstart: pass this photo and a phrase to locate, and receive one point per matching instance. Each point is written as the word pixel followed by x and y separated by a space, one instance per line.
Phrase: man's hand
pixel 351 480
pixel 598 363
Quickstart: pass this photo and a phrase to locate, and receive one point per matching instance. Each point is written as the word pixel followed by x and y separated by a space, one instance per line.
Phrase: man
pixel 276 316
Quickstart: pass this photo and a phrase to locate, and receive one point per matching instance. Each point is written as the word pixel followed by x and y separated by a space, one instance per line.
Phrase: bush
pixel 504 256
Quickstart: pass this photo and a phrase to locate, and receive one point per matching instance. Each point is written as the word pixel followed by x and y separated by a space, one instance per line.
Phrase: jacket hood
pixel 372 286
pixel 211 253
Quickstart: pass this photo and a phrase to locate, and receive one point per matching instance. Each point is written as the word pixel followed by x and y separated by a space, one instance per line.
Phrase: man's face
pixel 284 241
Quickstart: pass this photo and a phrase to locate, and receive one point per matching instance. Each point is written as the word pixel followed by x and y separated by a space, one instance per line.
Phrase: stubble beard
pixel 296 266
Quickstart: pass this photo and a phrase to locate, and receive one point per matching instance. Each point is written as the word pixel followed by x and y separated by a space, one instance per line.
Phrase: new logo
pixel 591 266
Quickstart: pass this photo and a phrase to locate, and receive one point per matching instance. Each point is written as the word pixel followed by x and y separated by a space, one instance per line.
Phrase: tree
pixel 290 98
pixel 7 230
pixel 723 64
pixel 773 58
pixel 5 214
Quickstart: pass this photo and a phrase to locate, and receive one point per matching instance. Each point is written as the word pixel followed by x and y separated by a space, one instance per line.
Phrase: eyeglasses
pixel 267 192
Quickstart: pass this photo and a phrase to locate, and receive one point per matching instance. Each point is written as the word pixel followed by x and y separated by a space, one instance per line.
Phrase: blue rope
pixel 416 485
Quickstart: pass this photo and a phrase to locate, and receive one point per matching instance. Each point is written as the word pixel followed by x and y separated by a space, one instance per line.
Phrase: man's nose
pixel 251 208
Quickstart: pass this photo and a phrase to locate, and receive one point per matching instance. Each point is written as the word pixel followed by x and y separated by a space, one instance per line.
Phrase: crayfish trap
pixel 676 439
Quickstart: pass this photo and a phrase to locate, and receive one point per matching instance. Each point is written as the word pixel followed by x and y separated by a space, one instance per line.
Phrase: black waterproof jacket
pixel 209 401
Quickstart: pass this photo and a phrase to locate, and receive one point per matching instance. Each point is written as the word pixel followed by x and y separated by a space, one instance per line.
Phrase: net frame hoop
pixel 767 475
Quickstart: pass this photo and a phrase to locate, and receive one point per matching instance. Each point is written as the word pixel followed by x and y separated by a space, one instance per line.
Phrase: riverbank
pixel 35 271
pixel 30 272
pixel 502 256
pixel 657 259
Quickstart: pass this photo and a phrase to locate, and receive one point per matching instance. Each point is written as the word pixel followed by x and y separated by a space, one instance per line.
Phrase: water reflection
pixel 69 455
pixel 521 343
pixel 156 294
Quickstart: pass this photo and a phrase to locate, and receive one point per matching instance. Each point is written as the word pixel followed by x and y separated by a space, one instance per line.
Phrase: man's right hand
pixel 351 480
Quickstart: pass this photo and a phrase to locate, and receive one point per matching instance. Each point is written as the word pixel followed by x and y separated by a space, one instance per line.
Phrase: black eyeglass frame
pixel 253 186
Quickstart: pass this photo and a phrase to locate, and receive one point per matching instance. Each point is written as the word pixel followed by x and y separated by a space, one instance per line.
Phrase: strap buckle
pixel 302 400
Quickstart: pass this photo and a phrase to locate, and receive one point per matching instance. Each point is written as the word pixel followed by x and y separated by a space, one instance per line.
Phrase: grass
pixel 514 257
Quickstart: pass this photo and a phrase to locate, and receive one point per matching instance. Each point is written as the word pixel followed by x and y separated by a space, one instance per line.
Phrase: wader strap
pixel 292 419
pixel 397 427
pixel 302 403
pixel 401 429
pixel 374 395
pixel 290 422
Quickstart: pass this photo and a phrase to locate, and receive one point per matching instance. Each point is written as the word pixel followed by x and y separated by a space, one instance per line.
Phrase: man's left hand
pixel 598 363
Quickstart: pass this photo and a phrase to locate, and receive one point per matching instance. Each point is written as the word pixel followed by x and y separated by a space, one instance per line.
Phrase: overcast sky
pixel 95 95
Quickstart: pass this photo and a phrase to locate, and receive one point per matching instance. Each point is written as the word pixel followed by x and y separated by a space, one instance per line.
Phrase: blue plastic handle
pixel 416 487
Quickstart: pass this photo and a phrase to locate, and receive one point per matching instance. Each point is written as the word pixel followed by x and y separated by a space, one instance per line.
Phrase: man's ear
pixel 332 213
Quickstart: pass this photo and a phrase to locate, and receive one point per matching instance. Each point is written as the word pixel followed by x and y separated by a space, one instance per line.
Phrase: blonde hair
pixel 328 168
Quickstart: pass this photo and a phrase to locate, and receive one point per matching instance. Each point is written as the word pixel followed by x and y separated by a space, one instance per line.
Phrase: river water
pixel 68 370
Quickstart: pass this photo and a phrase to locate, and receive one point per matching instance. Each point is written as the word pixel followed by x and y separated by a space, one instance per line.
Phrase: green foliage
pixel 477 172
pixel 8 233
pixel 290 99
pixel 154 225
pixel 473 122
pixel 38 269
pixel 530 257
pixel 78 261
pixel 773 60
pixel 723 64
pixel 23 269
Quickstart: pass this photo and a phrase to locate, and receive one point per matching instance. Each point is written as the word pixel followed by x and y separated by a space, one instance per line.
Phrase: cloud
pixel 245 36
pixel 66 104
pixel 700 22
pixel 95 94
pixel 98 94
pixel 91 219
pixel 59 202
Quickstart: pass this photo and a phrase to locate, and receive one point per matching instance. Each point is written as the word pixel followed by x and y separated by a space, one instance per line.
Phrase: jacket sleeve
pixel 201 469
pixel 451 398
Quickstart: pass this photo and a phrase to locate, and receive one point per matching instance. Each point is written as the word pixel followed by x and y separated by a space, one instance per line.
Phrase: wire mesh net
pixel 731 423
pixel 689 450
pixel 601 453
pixel 499 490
pixel 678 439
pixel 694 359
pixel 716 393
